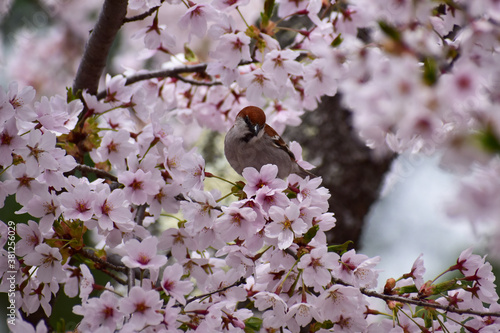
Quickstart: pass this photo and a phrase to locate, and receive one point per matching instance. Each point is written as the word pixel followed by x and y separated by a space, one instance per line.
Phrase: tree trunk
pixel 349 169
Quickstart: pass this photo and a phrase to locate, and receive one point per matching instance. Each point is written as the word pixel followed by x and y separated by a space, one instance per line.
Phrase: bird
pixel 250 142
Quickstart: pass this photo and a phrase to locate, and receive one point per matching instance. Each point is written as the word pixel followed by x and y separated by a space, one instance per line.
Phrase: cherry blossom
pixel 118 176
pixel 57 115
pixel 110 208
pixel 258 83
pixel 24 183
pixel 265 177
pixel 48 260
pixel 39 152
pixel 195 19
pixel 236 222
pixel 138 185
pixel 142 306
pixel 233 49
pixel 281 63
pixel 201 211
pixel 143 255
pixel 178 241
pixel 285 225
pixel 79 202
pixel 30 237
pixel 115 147
pixel 100 312
pixel 9 141
pixel 173 285
pixel 316 267
pixel 45 206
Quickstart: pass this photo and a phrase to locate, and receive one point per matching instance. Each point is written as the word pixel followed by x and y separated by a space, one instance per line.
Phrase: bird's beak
pixel 257 129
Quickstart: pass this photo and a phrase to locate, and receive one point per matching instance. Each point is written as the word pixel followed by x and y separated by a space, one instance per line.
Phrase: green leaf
pixel 390 30
pixel 489 140
pixel 337 41
pixel 253 324
pixel 430 75
pixel 189 54
pixel 446 286
pixel 309 235
pixel 269 7
pixel 407 289
pixel 70 96
pixel 340 248
pixel 267 13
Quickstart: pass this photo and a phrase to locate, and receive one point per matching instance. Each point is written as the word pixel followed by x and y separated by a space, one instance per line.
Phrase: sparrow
pixel 253 143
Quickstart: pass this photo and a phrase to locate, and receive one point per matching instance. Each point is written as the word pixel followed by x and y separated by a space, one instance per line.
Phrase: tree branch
pixel 198 83
pixel 97 48
pixel 142 16
pixel 423 303
pixel 237 283
pixel 98 172
pixel 163 73
pixel 90 255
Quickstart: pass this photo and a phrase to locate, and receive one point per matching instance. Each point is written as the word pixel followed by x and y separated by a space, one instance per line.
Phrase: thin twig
pixel 237 283
pixel 198 83
pixel 142 16
pixel 91 255
pixel 162 73
pixel 98 172
pixel 114 276
pixel 422 303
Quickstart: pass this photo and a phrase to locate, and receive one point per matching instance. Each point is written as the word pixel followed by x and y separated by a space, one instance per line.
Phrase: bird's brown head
pixel 254 115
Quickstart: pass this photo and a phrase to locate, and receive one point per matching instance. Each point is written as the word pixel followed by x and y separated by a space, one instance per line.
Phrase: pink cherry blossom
pixel 338 301
pixel 45 206
pixel 30 237
pixel 316 267
pixel 111 208
pixel 57 115
pixel 319 80
pixel 285 225
pixel 48 260
pixel 267 198
pixel 39 151
pixel 173 285
pixel 138 186
pixel 100 312
pixel 115 147
pixel 281 63
pixel 178 241
pixel 200 212
pixel 232 49
pixel 143 254
pixel 116 89
pixel 357 269
pixel 229 4
pixel 20 101
pixel 237 222
pixel 196 18
pixel 143 306
pixel 79 202
pixel 265 177
pixel 9 141
pixel 302 313
pixel 24 183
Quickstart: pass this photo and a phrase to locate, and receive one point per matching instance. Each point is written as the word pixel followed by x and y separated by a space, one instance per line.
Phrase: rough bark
pixel 97 48
pixel 349 169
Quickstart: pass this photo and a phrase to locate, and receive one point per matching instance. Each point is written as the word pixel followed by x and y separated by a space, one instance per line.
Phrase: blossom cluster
pixel 259 262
